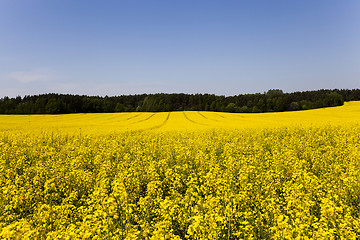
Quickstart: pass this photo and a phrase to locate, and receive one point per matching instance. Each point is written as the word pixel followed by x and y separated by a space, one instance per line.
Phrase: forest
pixel 274 100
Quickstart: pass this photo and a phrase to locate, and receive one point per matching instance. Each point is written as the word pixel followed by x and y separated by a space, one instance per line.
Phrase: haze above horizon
pixel 220 47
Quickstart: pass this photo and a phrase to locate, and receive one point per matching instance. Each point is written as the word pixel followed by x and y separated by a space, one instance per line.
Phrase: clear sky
pixel 193 46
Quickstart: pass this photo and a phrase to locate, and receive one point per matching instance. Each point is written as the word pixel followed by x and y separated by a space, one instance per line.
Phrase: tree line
pixel 274 100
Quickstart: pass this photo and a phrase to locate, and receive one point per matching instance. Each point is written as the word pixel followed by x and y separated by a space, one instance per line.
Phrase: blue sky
pixel 141 46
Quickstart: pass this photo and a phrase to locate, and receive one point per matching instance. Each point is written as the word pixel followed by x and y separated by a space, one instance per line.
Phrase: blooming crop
pixel 151 180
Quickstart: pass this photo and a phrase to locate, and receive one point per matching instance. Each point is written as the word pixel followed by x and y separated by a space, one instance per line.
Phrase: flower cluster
pixel 285 183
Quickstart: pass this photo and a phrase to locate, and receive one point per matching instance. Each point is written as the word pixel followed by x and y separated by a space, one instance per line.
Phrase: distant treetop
pixel 274 100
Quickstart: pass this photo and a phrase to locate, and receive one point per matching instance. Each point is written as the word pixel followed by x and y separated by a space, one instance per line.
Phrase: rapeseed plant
pixel 151 179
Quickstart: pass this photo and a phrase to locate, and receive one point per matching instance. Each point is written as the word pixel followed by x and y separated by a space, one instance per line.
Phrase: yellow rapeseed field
pixel 181 175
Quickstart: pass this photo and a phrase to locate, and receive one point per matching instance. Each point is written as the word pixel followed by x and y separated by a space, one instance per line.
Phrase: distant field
pixel 181 175
pixel 144 121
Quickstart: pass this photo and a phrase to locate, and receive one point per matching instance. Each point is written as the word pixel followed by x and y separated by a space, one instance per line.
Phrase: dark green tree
pixel 54 106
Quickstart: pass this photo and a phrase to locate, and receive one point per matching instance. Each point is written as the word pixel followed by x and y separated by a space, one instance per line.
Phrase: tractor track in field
pixel 157 126
pixel 206 117
pixel 143 120
pixel 133 116
pixel 190 120
pixel 117 117
pixel 219 115
pixel 89 116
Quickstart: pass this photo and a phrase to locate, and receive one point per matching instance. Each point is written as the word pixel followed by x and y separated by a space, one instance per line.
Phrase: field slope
pixel 194 120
